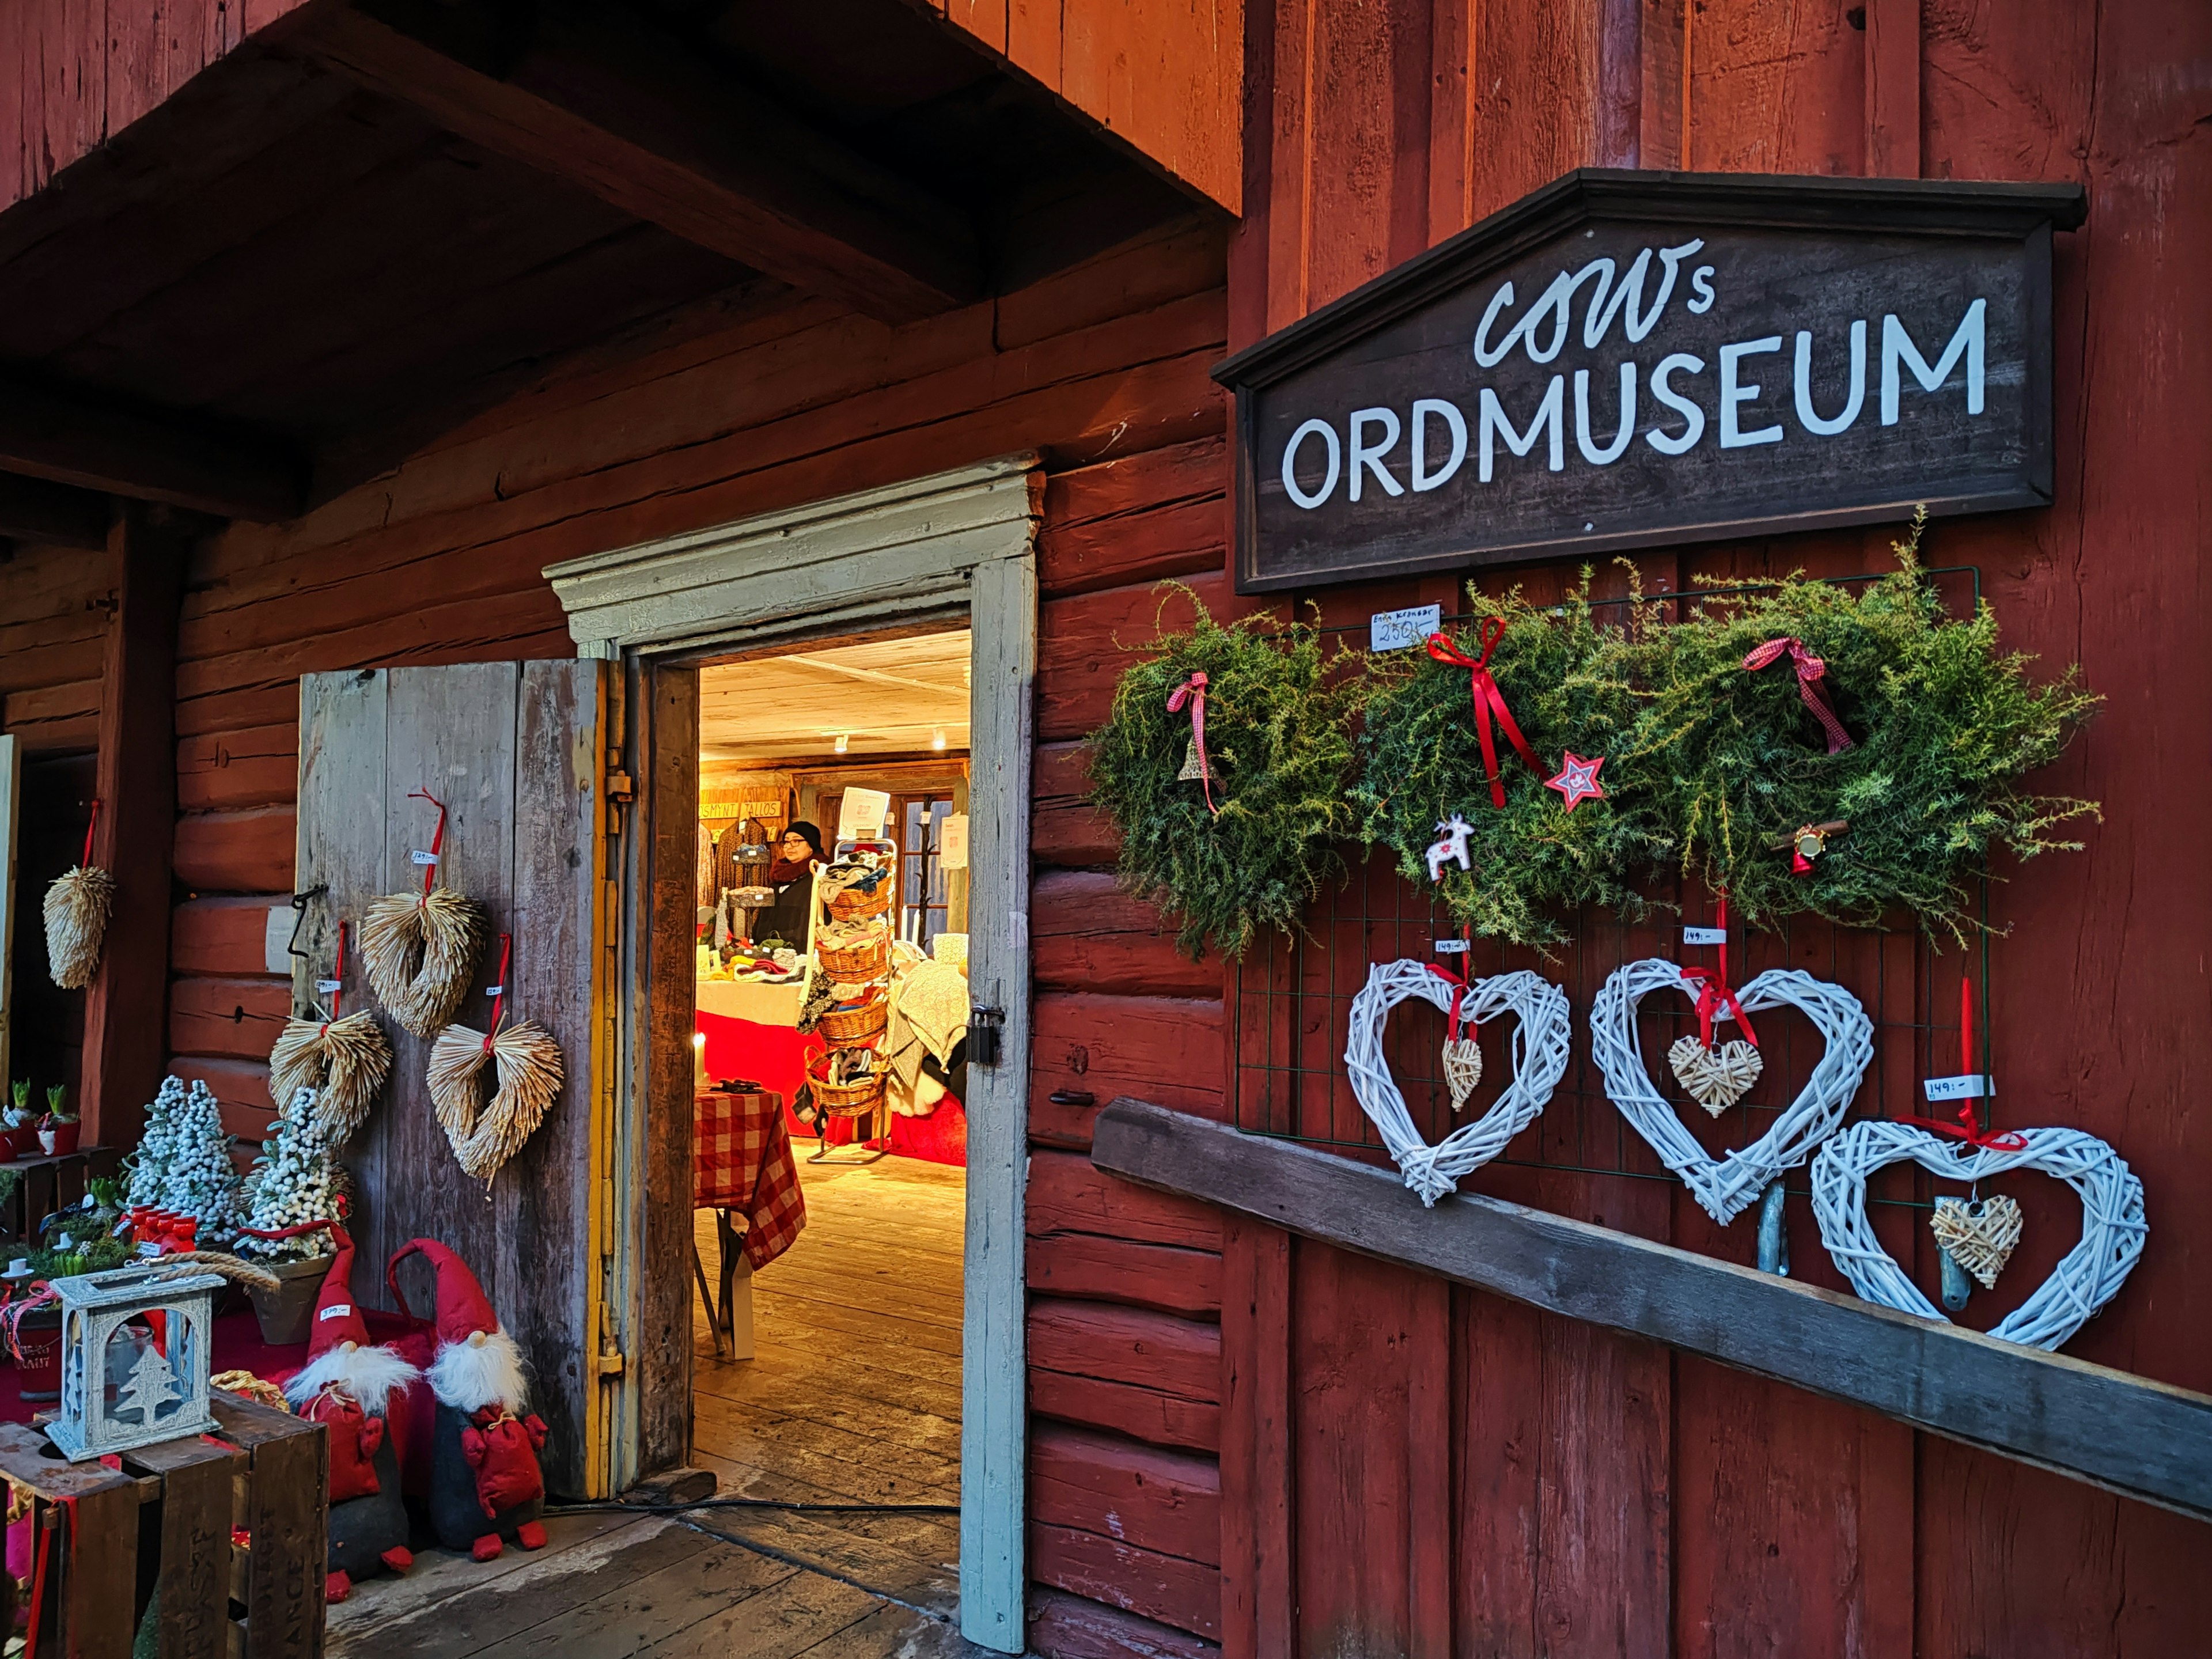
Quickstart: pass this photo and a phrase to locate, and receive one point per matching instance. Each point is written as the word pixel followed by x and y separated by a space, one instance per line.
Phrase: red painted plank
pixel 1166 1501
pixel 224 770
pixel 1084 642
pixel 1066 1194
pixel 249 852
pixel 1259 1592
pixel 1064 1626
pixel 1180 1357
pixel 1160 1277
pixel 220 936
pixel 1135 519
pixel 1166 1588
pixel 1168 1050
pixel 1086 934
pixel 239 1019
pixel 1064 828
pixel 1152 1415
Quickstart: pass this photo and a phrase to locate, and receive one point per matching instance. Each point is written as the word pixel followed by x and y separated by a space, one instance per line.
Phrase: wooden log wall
pixel 1409 1467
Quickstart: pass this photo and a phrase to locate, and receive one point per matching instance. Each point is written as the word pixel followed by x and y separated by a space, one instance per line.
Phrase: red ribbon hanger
pixel 338 973
pixel 437 837
pixel 1966 1128
pixel 1487 698
pixel 1459 985
pixel 90 827
pixel 1193 691
pixel 1810 671
pixel 1714 995
pixel 499 991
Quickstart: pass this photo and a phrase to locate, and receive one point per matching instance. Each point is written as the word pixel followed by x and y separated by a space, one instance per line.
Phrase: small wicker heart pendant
pixel 1716 1078
pixel 1462 1069
pixel 1979 1236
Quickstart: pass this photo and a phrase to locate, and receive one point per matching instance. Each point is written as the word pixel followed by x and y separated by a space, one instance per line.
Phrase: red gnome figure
pixel 349 1384
pixel 485 1485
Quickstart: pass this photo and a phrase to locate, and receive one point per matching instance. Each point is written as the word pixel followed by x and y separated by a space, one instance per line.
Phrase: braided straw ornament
pixel 76 909
pixel 484 1134
pixel 345 1061
pixel 1541 1041
pixel 2088 1277
pixel 1726 1187
pixel 419 950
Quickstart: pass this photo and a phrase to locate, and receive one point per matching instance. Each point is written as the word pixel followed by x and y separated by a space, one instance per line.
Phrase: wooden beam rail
pixel 2123 1433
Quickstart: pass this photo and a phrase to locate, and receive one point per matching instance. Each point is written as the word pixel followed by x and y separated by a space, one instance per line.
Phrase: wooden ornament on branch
pixel 77 911
pixel 527 1072
pixel 343 1060
pixel 420 952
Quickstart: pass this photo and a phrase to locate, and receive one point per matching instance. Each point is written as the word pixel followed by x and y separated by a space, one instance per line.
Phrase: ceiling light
pixel 844 742
pixel 936 739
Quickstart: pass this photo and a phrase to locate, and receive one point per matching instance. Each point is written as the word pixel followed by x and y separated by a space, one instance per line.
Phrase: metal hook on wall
pixel 299 917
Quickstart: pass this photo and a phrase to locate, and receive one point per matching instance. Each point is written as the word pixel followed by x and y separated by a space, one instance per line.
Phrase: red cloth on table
pixel 775 1056
pixel 741 1160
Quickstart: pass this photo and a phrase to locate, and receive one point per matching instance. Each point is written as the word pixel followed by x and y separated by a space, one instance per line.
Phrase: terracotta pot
pixel 61 1139
pixel 286 1312
pixel 38 1373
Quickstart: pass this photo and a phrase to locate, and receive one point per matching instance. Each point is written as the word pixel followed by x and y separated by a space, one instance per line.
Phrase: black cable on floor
pixel 616 1504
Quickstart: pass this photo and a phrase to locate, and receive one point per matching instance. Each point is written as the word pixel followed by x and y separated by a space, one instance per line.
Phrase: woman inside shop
pixel 792 875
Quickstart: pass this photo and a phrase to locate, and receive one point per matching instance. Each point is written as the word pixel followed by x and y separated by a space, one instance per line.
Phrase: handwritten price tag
pixel 1704 936
pixel 421 857
pixel 494 990
pixel 324 987
pixel 1959 1088
pixel 1393 630
pixel 1450 947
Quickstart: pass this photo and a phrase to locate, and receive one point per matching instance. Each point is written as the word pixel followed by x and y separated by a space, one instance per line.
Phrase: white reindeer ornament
pixel 1452 847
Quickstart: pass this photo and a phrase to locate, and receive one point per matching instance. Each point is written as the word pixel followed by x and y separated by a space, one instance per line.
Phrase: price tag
pixel 1959 1088
pixel 149 1248
pixel 494 990
pixel 422 857
pixel 1450 947
pixel 1393 630
pixel 326 986
pixel 1704 936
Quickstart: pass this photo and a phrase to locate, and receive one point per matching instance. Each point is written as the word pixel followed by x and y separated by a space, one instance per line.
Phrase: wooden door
pixel 516 752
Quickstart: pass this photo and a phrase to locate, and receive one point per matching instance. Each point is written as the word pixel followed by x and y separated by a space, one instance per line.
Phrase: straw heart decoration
pixel 420 952
pixel 527 1069
pixel 1541 1041
pixel 1725 1186
pixel 343 1060
pixel 76 910
pixel 2113 1226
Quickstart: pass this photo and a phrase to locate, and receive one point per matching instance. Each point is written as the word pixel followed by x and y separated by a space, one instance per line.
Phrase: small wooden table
pixel 735 1136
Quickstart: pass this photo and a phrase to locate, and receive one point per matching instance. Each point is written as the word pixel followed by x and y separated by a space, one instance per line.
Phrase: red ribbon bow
pixel 1193 691
pixel 1714 995
pixel 1487 698
pixel 1972 1132
pixel 1459 994
pixel 1810 669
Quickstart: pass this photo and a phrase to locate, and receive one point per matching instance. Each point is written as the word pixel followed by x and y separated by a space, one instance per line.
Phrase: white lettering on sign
pixel 1704 936
pixel 1959 1088
pixel 1393 630
pixel 1450 947
pixel 421 857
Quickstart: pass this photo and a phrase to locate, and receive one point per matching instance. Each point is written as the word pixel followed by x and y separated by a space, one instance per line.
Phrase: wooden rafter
pixel 73 439
pixel 33 510
pixel 641 121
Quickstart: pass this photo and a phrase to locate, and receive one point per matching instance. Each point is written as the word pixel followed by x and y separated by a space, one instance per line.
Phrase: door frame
pixel 929 550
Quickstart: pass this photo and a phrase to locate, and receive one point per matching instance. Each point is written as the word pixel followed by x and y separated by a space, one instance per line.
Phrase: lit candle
pixel 699 1082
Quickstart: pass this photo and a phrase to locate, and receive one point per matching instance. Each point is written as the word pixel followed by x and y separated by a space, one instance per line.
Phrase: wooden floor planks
pixel 853 1396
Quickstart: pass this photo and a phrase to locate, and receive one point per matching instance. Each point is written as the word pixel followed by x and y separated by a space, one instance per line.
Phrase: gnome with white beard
pixel 485 1483
pixel 353 1386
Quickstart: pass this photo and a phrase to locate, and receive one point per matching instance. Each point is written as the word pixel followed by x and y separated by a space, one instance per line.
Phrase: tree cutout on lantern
pixel 420 951
pixel 135 1358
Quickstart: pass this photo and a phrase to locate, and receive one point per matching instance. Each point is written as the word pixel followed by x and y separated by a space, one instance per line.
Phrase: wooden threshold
pixel 2123 1433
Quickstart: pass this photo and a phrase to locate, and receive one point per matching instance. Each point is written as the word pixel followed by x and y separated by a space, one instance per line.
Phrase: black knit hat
pixel 812 832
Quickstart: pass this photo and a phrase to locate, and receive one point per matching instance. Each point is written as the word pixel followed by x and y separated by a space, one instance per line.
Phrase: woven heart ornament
pixel 419 950
pixel 1462 1070
pixel 1540 1044
pixel 2113 1225
pixel 1716 1078
pixel 1727 1185
pixel 1979 1236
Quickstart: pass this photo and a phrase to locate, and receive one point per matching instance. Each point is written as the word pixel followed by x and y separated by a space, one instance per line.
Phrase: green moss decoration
pixel 1944 727
pixel 1564 678
pixel 1277 738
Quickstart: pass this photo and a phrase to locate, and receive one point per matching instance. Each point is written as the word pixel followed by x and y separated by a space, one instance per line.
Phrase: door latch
pixel 984 1028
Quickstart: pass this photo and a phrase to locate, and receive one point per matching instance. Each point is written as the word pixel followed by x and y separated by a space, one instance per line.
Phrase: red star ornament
pixel 1577 779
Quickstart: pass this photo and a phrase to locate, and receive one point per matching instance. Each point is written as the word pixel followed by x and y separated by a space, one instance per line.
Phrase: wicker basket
pixel 848 1099
pixel 851 904
pixel 865 961
pixel 854 1025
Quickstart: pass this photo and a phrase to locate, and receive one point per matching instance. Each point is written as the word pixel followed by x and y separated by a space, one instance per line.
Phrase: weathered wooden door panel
pixel 514 751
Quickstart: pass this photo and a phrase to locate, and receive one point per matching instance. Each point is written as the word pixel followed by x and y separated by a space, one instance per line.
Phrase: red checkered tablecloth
pixel 742 1162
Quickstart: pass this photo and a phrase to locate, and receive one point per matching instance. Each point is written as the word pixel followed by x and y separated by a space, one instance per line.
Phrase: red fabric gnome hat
pixel 479 1364
pixel 339 1353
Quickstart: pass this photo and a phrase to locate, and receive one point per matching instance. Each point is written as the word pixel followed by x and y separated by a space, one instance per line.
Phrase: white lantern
pixel 129 1380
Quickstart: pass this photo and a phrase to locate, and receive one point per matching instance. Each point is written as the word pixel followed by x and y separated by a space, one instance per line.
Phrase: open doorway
pixel 832 1007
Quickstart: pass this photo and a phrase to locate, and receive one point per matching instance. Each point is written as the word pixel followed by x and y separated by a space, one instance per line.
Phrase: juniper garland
pixel 1278 741
pixel 1944 726
pixel 1564 676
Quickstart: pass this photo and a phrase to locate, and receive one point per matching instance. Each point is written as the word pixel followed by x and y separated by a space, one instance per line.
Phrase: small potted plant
pixel 18 1123
pixel 57 1129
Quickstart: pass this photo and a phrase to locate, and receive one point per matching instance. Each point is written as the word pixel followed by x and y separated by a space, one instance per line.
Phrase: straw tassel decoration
pixel 527 1070
pixel 77 906
pixel 420 952
pixel 343 1060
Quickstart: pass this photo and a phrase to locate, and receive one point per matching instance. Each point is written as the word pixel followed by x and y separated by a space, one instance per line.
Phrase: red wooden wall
pixel 1409 1468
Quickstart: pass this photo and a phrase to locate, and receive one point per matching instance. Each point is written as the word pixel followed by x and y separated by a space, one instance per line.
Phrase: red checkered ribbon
pixel 1488 699
pixel 1810 669
pixel 1193 691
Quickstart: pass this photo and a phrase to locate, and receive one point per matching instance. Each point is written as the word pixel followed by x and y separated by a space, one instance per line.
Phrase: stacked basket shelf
pixel 855 951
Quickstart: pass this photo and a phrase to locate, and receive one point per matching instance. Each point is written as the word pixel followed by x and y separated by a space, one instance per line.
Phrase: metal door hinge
pixel 983 1033
pixel 611 1362
pixel 618 787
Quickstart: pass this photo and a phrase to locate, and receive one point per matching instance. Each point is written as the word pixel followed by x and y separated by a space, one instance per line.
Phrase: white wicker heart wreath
pixel 2089 1275
pixel 1727 1186
pixel 1541 1041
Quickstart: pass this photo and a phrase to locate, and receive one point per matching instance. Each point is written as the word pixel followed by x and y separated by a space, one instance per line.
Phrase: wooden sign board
pixel 1631 359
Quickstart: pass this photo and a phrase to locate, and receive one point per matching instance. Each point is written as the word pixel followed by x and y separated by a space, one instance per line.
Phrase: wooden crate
pixel 49 1183
pixel 166 1519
